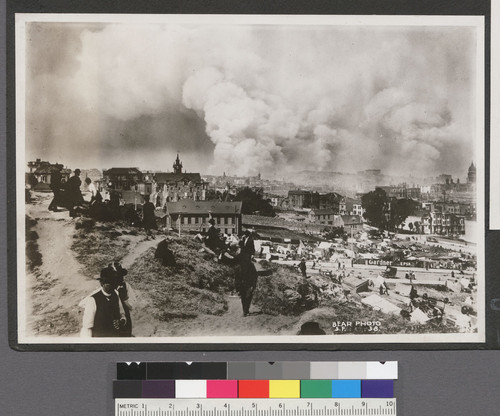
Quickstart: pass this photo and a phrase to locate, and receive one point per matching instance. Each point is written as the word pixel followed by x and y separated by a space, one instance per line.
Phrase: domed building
pixel 471 174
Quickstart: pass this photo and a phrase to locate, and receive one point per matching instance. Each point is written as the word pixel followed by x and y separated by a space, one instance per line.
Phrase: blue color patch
pixel 346 388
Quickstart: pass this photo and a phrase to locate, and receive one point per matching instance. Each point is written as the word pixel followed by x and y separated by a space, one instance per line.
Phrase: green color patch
pixel 316 388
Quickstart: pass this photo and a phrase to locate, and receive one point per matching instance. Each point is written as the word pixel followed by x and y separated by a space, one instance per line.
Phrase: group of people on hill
pixel 238 254
pixel 66 194
pixel 69 195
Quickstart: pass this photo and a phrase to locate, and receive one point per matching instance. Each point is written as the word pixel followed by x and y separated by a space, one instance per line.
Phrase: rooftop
pixel 189 206
pixel 166 177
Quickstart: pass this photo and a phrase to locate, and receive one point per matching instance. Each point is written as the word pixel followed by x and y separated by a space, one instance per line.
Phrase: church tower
pixel 177 165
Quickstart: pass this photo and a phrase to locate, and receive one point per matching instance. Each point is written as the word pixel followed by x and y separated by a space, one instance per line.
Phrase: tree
pixel 375 204
pixel 400 210
pixel 253 202
pixel 417 227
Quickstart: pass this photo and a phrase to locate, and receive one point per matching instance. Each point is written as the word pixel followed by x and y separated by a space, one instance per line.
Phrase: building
pixel 178 185
pixel 357 208
pixel 122 179
pixel 192 216
pixel 471 174
pixel 351 223
pixel 330 200
pixel 458 208
pixel 321 216
pixel 401 191
pixel 351 206
pixel 298 199
pixel 443 223
pixel 40 174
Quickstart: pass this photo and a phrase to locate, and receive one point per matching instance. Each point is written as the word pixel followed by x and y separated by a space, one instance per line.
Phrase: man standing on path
pixel 302 267
pixel 102 315
pixel 245 282
pixel 247 245
pixel 55 186
pixel 148 217
pixel 74 196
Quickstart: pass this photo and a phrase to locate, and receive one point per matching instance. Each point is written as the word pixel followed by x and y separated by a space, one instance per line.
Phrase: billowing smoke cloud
pixel 269 99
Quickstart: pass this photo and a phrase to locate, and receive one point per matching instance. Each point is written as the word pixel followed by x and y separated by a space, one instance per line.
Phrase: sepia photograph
pixel 235 179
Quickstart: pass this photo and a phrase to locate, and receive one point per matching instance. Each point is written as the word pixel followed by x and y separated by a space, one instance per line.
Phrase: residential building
pixel 298 199
pixel 192 216
pixel 321 216
pixel 401 191
pixel 443 223
pixel 351 206
pixel 40 174
pixel 122 179
pixel 351 223
pixel 330 200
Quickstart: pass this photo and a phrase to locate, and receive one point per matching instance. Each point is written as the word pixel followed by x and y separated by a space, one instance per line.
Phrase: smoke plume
pixel 248 99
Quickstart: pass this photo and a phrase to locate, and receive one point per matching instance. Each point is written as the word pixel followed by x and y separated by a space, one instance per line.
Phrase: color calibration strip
pixel 262 389
pixel 278 380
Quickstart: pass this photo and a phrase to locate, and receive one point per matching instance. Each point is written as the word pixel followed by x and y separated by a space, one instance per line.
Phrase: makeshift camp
pixel 454 286
pixel 390 272
pixel 380 304
pixel 363 287
pixel 419 317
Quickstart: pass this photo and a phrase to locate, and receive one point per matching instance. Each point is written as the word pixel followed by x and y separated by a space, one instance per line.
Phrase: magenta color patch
pixel 222 389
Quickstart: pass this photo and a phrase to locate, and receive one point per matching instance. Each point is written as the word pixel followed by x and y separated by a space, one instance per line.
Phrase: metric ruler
pixel 255 407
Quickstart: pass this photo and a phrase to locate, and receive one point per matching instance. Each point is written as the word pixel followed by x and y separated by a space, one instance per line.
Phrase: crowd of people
pixel 236 252
pixel 107 309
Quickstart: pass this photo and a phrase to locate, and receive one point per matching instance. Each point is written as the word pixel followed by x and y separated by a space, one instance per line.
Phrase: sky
pixel 244 99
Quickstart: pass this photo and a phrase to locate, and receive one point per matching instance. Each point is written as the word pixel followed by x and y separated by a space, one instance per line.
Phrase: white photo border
pixel 473 21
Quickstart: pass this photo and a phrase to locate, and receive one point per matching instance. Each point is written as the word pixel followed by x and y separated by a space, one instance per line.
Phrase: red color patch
pixel 251 389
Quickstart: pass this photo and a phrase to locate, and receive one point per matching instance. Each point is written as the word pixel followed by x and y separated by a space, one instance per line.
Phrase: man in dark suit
pixel 55 185
pixel 245 282
pixel 74 196
pixel 103 309
pixel 247 245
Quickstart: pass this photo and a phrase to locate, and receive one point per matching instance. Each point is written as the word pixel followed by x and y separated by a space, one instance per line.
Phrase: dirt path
pixel 231 323
pixel 137 250
pixel 56 287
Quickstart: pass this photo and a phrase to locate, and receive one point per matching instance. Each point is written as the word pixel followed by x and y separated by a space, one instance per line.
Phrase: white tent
pixel 419 316
pixel 325 245
pixel 377 303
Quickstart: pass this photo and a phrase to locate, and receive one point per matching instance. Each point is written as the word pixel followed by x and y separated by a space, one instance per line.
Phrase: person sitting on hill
pixel 212 239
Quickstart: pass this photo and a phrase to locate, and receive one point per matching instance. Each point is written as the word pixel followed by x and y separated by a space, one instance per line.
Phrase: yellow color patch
pixel 284 389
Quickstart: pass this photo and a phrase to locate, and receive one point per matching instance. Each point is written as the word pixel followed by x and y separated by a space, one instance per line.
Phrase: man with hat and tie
pixel 73 193
pixel 103 310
